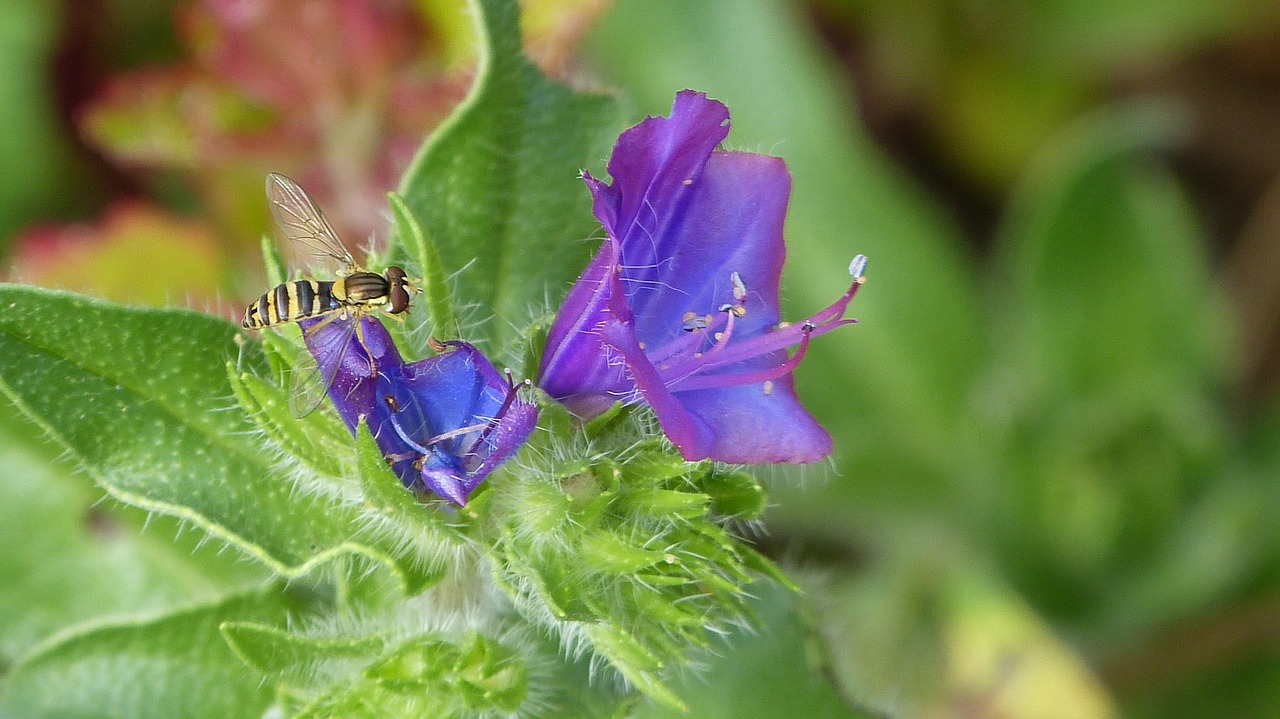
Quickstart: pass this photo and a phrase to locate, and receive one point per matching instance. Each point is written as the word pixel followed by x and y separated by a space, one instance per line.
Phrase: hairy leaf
pixel 173 665
pixel 496 187
pixel 140 399
pixel 69 558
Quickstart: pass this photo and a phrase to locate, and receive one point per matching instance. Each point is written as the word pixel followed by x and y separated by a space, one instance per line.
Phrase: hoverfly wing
pixel 308 385
pixel 301 221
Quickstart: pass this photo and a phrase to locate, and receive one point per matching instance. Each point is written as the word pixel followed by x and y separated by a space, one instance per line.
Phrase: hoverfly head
pixel 401 290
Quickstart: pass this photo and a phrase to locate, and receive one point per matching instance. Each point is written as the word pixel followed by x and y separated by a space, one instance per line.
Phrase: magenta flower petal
pixel 576 368
pixel 352 364
pixel 680 307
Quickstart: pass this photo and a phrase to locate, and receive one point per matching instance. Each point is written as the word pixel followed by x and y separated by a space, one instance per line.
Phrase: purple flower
pixel 443 423
pixel 679 309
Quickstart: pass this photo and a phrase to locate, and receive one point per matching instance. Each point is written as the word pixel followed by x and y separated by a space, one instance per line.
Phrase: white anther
pixel 858 266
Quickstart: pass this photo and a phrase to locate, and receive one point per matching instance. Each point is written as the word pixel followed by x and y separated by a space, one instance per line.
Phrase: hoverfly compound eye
pixel 399 299
pixel 397 295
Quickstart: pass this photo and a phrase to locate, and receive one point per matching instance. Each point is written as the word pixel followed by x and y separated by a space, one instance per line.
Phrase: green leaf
pixel 173 665
pixel 67 560
pixel 141 401
pixel 496 186
pixel 910 633
pixel 633 661
pixel 761 673
pixel 44 176
pixel 1116 349
pixel 1107 277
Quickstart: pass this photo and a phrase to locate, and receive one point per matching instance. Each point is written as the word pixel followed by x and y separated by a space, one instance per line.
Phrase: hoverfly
pixel 354 293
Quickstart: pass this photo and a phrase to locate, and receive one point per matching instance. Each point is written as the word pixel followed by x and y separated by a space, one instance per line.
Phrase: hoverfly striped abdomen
pixel 290 302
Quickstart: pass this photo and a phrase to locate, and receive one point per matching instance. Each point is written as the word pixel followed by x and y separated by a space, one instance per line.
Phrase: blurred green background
pixel 1055 489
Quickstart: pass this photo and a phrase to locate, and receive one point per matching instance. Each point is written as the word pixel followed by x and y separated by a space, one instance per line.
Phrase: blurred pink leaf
pixel 135 253
pixel 553 29
pixel 338 94
pixel 335 93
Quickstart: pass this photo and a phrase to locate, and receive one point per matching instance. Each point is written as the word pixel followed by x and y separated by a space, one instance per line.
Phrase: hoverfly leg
pixel 359 322
pixel 401 457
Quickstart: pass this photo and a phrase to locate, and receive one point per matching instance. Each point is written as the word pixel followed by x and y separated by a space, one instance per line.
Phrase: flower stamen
pixel 512 390
pixel 695 373
pixel 696 380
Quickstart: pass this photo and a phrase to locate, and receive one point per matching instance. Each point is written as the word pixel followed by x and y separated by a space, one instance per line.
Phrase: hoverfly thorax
pixel 362 288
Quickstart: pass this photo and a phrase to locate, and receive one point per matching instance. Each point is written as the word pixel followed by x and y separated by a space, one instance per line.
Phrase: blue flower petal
pixel 443 423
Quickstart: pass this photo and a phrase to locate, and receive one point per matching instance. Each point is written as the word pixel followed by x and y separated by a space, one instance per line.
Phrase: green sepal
pixel 533 342
pixel 654 464
pixel 516 568
pixel 282 346
pixel 442 316
pixel 757 562
pixel 592 492
pixel 652 501
pixel 734 493
pixel 636 663
pixel 544 507
pixel 410 520
pixel 430 676
pixel 280 653
pixel 608 421
pixel 553 417
pixel 489 675
pixel 663 611
pixel 566 588
pixel 607 553
pixel 276 272
pixel 314 440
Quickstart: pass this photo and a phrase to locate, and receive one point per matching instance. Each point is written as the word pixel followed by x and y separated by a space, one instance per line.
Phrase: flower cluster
pixel 679 310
